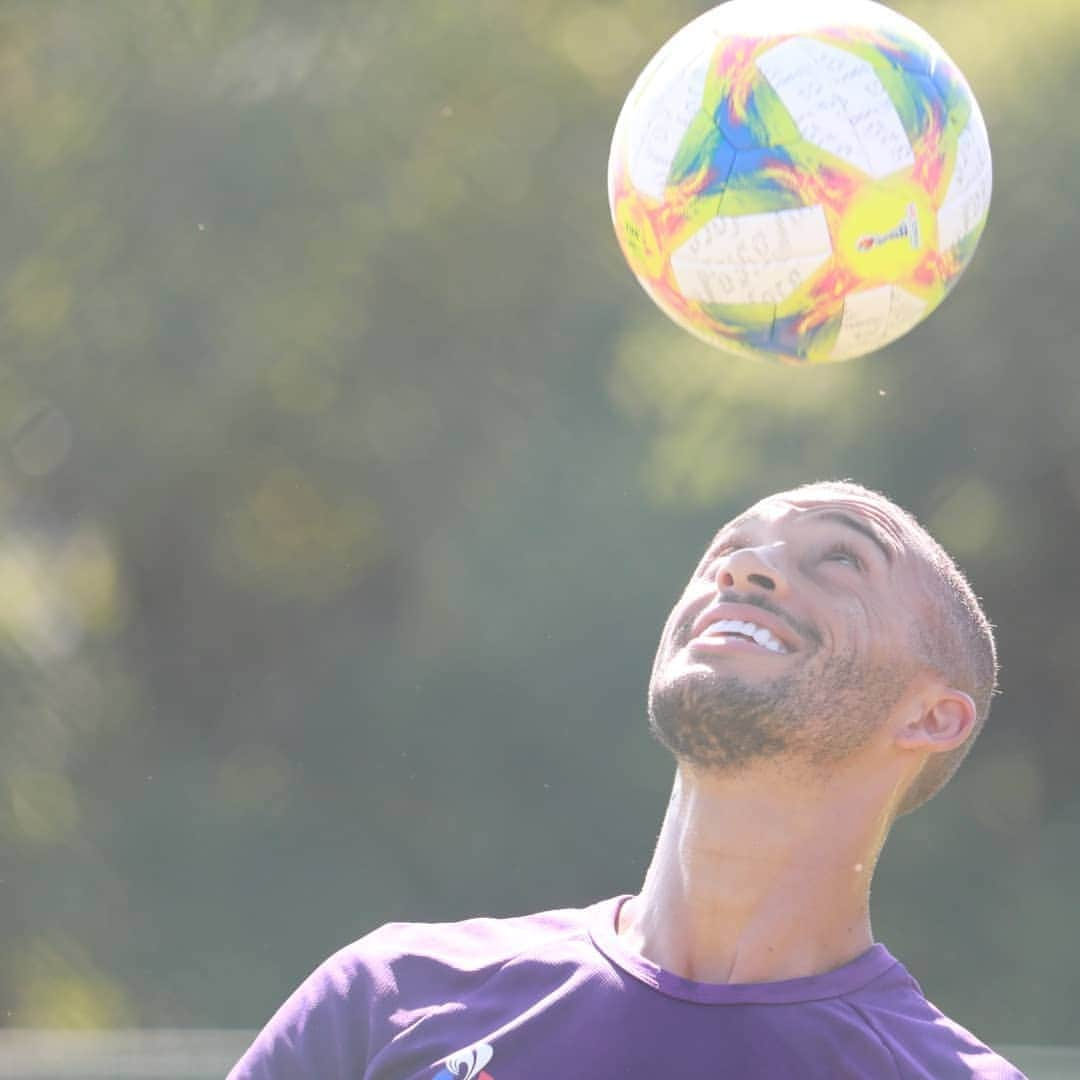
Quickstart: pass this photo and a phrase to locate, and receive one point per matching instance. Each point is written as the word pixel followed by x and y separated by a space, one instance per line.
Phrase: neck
pixel 757 878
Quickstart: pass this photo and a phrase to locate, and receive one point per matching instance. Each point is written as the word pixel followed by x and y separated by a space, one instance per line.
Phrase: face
pixel 792 639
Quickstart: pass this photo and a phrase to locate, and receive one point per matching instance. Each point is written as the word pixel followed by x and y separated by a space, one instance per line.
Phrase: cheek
pixel 695 597
pixel 880 635
pixel 857 630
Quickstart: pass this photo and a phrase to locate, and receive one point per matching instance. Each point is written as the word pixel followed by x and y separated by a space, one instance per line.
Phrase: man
pixel 824 672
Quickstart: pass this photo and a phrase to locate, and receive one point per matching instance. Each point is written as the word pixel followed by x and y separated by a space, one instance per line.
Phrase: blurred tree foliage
pixel 347 477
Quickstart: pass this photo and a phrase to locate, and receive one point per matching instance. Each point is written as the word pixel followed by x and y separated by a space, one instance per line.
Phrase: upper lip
pixel 746 613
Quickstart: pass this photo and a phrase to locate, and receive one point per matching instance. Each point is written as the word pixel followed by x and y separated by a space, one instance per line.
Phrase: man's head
pixel 812 616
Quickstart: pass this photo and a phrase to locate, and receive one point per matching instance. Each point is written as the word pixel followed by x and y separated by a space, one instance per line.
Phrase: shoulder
pixel 921 1039
pixel 400 958
pixel 358 998
pixel 416 963
pixel 468 943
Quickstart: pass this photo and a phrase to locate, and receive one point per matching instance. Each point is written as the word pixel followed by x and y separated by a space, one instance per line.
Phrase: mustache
pixel 806 631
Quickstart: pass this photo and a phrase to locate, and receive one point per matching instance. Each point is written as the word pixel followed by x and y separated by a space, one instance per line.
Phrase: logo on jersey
pixel 467 1064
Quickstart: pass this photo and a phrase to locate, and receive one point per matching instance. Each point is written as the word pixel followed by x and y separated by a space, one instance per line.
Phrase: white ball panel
pixel 753 258
pixel 661 108
pixel 696 37
pixel 744 283
pixel 760 238
pixel 838 103
pixel 968 198
pixel 873 318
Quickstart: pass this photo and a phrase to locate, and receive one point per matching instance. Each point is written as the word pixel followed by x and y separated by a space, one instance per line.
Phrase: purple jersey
pixel 558 995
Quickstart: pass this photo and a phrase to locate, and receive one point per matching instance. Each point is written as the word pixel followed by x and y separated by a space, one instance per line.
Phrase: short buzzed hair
pixel 953 638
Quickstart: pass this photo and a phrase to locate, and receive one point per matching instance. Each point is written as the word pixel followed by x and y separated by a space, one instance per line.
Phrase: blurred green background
pixel 347 477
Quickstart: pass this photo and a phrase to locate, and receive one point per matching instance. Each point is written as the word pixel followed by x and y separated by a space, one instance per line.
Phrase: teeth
pixel 756 633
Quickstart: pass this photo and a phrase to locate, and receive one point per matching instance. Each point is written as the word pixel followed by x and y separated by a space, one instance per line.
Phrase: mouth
pixel 735 631
pixel 743 627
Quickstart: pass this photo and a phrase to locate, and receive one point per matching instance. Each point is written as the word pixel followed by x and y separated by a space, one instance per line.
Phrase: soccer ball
pixel 799 180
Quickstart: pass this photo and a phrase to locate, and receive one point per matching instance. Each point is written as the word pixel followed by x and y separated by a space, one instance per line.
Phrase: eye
pixel 844 555
pixel 728 545
pixel 708 568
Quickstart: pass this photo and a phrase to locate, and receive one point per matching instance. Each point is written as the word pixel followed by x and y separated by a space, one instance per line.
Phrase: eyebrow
pixel 860 526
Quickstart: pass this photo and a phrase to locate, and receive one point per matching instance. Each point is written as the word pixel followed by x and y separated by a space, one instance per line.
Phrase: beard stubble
pixel 817 715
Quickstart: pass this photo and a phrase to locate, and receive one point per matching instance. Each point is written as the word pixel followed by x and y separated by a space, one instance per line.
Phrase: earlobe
pixel 942 724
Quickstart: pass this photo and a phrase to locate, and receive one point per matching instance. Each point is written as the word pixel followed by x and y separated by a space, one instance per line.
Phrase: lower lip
pixel 718 643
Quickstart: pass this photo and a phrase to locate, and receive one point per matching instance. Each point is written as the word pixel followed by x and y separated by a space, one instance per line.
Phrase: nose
pixel 753 569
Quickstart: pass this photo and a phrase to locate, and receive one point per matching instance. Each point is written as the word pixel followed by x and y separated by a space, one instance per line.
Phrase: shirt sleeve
pixel 320 1031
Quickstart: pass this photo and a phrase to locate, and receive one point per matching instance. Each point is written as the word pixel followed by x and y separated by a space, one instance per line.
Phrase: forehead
pixel 877 520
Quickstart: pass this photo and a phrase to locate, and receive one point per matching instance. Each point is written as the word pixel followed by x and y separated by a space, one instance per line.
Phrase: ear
pixel 938 722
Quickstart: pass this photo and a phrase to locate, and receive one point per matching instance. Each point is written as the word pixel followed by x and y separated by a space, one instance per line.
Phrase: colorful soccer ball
pixel 799 180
